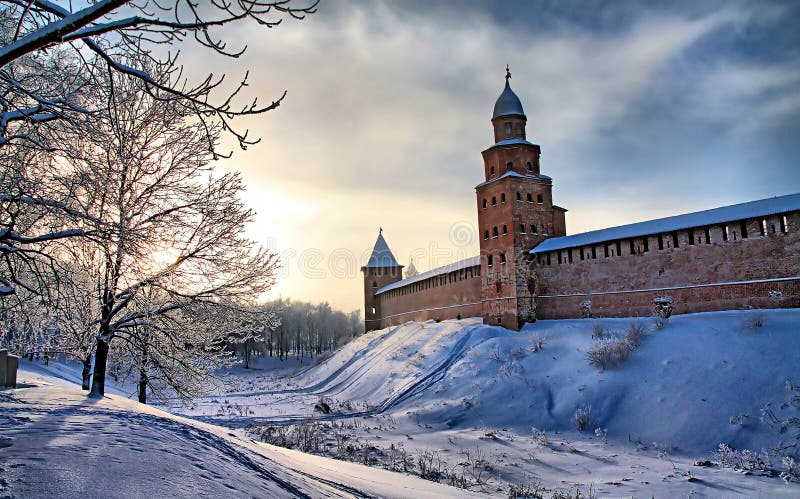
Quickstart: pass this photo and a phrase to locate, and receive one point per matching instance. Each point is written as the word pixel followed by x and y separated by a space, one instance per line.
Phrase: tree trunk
pixel 100 359
pixel 143 385
pixel 86 373
pixel 144 376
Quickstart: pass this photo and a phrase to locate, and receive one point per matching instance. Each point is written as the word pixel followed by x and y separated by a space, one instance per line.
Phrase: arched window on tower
pixel 505 229
pixel 533 229
pixel 508 128
pixel 502 258
pixel 489 261
pixel 484 204
pixel 486 234
pixel 519 128
pixel 530 167
pixel 509 166
pixel 374 284
pixel 539 199
pixel 530 198
pixel 494 231
pixel 522 228
pixel 519 196
pixel 494 201
pixel 491 171
pixel 503 197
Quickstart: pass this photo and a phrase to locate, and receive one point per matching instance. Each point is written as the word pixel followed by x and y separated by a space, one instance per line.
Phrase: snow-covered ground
pixel 485 410
pixel 55 442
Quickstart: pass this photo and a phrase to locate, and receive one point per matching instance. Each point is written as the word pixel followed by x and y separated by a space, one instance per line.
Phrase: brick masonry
pixel 710 267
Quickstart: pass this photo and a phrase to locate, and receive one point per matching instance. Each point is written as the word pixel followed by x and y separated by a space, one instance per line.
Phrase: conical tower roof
pixel 382 256
pixel 508 104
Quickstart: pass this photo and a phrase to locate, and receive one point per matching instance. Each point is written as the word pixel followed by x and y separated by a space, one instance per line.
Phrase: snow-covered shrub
pixel 788 422
pixel 601 434
pixel 537 342
pixel 532 490
pixel 741 460
pixel 635 334
pixel 583 417
pixel 586 309
pixel 518 354
pixel 662 307
pixel 511 368
pixel 476 465
pixel 739 420
pixel 659 323
pixel 609 352
pixel 577 494
pixel 792 472
pixel 598 330
pixel 540 437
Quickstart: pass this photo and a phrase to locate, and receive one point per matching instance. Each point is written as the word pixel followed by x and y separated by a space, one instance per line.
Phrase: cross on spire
pixel 380 230
pixel 508 73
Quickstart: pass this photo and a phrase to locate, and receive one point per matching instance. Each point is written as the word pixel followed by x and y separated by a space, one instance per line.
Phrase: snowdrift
pixel 700 381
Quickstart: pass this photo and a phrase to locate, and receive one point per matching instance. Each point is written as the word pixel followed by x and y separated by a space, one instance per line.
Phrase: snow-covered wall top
pixel 753 209
pixel 462 264
pixel 512 173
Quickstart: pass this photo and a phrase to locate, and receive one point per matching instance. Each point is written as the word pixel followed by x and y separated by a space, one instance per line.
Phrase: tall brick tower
pixel 515 213
pixel 381 269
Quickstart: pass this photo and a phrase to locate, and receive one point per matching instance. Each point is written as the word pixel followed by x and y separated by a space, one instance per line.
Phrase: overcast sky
pixel 641 112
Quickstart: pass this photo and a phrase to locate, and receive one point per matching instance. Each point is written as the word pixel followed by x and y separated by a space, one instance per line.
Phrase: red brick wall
pixel 433 299
pixel 618 285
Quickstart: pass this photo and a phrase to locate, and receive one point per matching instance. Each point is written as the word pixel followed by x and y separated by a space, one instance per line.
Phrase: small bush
pixel 586 309
pixel 609 352
pixel 540 437
pixel 659 322
pixel 532 490
pixel 792 473
pixel 741 460
pixel 598 331
pixel 537 342
pixel 583 417
pixel 662 307
pixel 739 420
pixel 635 334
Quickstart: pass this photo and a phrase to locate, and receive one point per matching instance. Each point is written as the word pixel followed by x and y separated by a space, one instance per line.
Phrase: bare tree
pixel 170 224
pixel 122 37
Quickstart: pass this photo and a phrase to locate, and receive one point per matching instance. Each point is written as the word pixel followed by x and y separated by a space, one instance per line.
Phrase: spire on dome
pixel 382 256
pixel 411 271
pixel 508 104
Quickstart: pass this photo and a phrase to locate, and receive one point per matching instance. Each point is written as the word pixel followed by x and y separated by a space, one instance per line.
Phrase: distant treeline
pixel 303 330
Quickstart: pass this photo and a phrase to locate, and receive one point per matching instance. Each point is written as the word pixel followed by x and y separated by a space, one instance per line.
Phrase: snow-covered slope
pixel 680 388
pixel 457 389
pixel 55 442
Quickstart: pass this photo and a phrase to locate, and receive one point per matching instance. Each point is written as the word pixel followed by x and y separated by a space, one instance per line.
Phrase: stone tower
pixel 515 213
pixel 381 269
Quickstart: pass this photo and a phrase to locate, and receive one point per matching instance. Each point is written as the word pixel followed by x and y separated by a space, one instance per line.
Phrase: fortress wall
pixel 704 276
pixel 439 297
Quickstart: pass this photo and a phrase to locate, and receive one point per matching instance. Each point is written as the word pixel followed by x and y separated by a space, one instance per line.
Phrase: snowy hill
pixel 479 407
pixel 55 442
pixel 680 387
pixel 701 381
